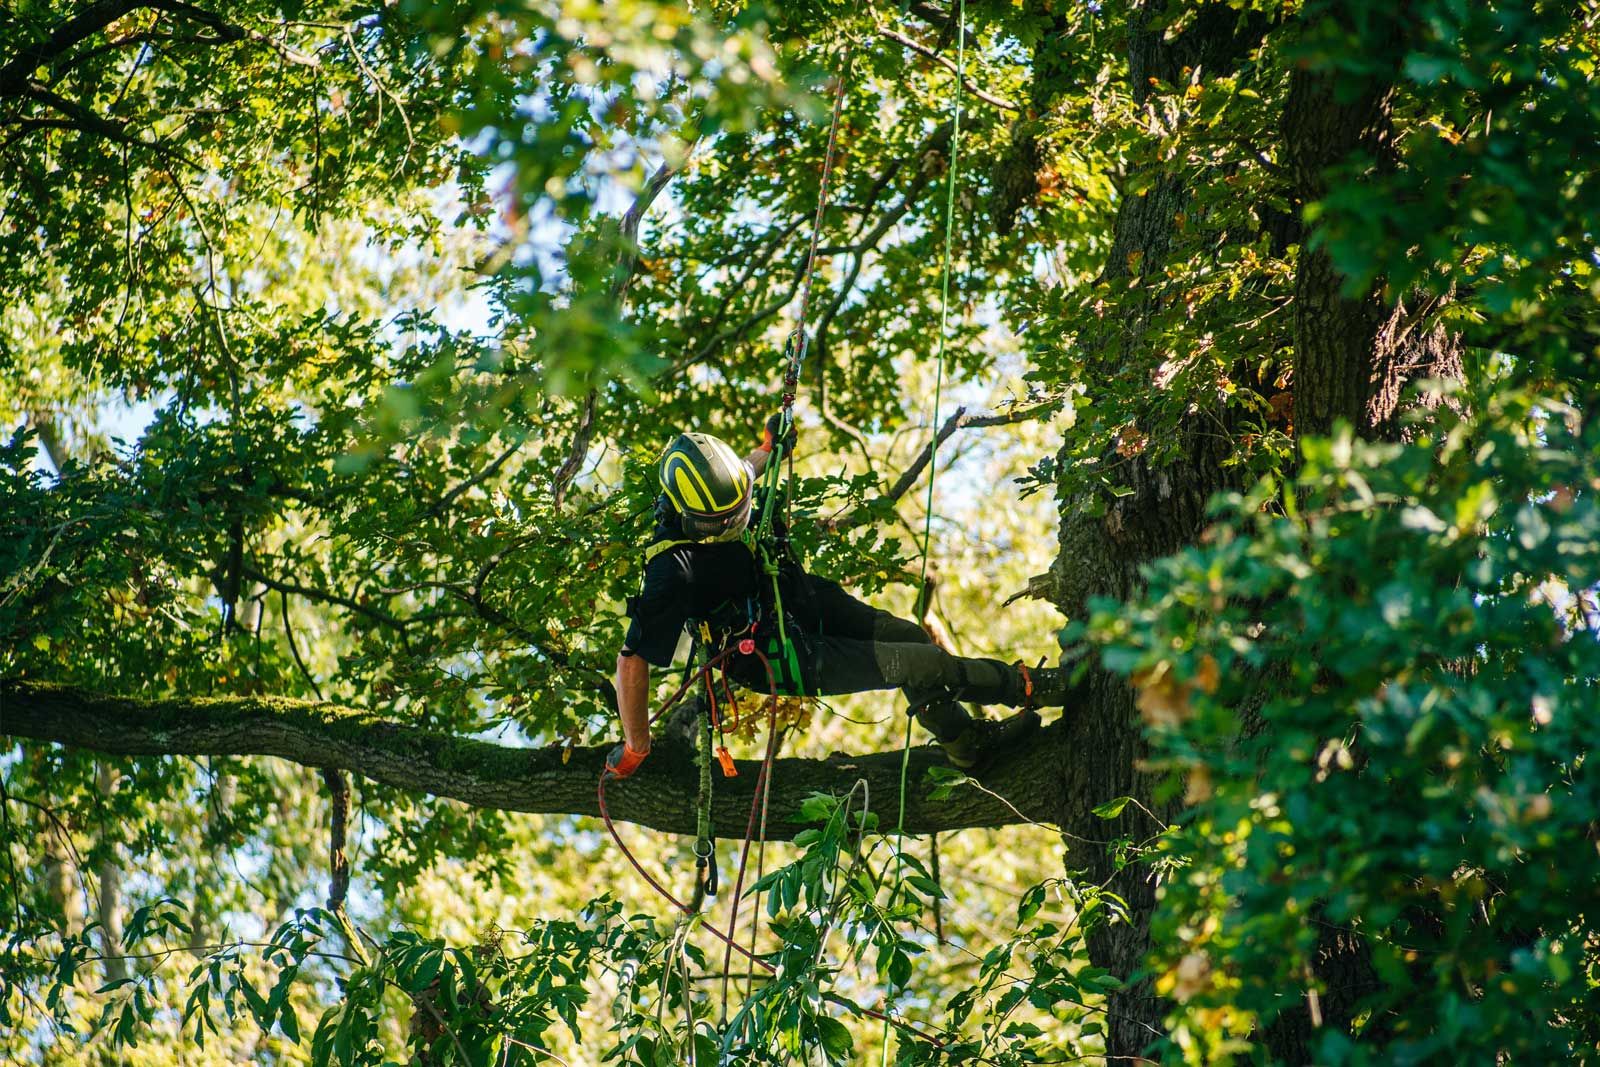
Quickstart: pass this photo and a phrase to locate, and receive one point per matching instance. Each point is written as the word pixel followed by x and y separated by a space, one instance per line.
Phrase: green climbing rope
pixel 938 386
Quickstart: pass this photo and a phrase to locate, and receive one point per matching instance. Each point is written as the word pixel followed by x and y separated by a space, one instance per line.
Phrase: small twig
pixel 72 849
pixel 537 1051
pixel 383 90
pixel 582 434
pixel 232 32
pixel 627 266
pixel 488 472
pixel 288 633
pixel 957 421
pixel 87 121
pixel 326 597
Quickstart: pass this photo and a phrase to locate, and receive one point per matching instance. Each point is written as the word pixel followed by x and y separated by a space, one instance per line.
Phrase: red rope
pixel 762 781
pixel 704 674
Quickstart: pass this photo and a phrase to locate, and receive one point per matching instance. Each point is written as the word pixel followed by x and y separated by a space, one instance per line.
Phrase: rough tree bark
pixel 1355 355
pixel 1102 748
pixel 1352 359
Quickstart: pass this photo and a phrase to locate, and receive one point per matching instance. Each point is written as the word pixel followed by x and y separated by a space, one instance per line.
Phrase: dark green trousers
pixel 847 646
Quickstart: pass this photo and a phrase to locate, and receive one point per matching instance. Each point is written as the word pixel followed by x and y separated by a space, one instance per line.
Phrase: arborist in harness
pixel 704 571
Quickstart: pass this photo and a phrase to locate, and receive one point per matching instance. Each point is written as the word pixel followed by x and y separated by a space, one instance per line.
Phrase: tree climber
pixel 700 569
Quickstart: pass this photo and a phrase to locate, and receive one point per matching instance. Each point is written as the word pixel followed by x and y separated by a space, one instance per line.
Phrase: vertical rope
pixel 938 386
pixel 944 283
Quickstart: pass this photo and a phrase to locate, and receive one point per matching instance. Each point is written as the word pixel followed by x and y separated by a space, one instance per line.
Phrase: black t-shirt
pixel 694 581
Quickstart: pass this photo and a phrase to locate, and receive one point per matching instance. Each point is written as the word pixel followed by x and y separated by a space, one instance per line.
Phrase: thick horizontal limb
pixel 661 795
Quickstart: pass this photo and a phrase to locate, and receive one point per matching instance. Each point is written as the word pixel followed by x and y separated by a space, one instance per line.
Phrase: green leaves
pixel 1112 808
pixel 1412 770
pixel 837 1044
pixel 345 280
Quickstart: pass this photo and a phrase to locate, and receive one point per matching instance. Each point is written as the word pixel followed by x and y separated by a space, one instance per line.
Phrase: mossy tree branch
pixel 660 796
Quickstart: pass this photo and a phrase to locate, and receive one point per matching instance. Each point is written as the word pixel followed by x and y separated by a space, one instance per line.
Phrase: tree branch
pixel 627 265
pixel 957 421
pixel 444 502
pixel 323 596
pixel 17 71
pixel 84 119
pixel 229 32
pixel 86 23
pixel 971 86
pixel 933 16
pixel 540 780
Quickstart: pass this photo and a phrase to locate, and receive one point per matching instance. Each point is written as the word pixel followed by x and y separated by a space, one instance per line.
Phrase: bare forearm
pixel 633 701
pixel 758 460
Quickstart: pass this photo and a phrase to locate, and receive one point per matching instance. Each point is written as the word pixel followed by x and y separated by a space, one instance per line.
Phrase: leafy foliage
pixel 340 339
pixel 1403 638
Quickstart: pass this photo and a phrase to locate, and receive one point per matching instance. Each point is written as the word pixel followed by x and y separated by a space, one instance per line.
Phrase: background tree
pixel 1292 307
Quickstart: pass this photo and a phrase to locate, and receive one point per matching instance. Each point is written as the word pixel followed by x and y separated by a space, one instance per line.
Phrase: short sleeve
pixel 659 612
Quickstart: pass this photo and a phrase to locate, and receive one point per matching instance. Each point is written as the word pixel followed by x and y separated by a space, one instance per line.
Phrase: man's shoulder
pixel 668 565
pixel 662 547
pixel 678 559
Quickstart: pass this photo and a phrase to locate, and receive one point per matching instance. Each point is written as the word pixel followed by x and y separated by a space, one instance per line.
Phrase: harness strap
pixel 785 644
pixel 763 558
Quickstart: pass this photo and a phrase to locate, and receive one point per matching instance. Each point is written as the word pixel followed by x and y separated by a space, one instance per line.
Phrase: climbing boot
pixel 941 716
pixel 984 740
pixel 1044 687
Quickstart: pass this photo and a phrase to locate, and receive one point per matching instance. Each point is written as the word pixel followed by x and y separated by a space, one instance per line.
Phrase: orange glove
pixel 624 760
pixel 769 434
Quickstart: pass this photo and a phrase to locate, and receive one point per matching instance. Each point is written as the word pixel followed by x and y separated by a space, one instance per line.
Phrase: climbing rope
pixel 938 386
pixel 758 806
pixel 762 544
pixel 799 341
pixel 703 674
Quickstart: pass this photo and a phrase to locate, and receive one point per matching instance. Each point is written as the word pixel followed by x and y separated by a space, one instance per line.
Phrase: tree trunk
pixel 1353 358
pixel 1100 554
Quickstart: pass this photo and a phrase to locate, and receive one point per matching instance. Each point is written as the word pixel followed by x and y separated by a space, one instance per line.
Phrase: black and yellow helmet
pixel 709 485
